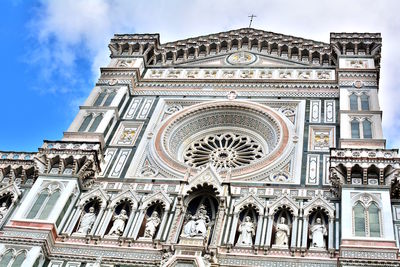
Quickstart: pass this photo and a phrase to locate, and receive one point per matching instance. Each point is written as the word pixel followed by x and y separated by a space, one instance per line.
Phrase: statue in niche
pixel 317 234
pixel 282 233
pixel 151 225
pixel 247 231
pixel 119 223
pixel 197 223
pixel 3 210
pixel 87 222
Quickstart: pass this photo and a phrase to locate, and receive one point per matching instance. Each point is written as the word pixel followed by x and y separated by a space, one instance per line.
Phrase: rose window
pixel 227 150
pixel 242 137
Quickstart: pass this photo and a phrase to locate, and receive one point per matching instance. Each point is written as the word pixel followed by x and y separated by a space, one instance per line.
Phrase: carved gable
pixel 207 176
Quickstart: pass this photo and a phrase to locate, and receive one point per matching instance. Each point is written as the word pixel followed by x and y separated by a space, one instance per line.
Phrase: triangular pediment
pixel 207 176
pixel 97 193
pixel 258 60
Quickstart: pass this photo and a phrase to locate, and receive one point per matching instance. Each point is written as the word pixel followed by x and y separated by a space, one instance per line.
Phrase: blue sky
pixel 52 50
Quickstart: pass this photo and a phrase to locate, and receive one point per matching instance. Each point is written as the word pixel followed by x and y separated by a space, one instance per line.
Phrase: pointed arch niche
pixel 97 199
pixel 128 201
pixel 319 207
pixel 203 197
pixel 283 207
pixel 252 207
pixel 157 202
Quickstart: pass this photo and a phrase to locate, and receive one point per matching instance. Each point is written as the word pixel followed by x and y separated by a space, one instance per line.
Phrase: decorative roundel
pixel 241 58
pixel 237 136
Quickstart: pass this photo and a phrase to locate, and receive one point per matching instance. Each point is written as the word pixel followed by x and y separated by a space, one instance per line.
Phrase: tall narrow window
pixel 96 123
pixel 367 131
pixel 100 98
pixel 5 260
pixel 37 205
pixel 49 205
pixel 374 225
pixel 364 102
pixel 355 129
pixel 85 123
pixel 19 260
pixel 359 220
pixel 353 102
pixel 109 99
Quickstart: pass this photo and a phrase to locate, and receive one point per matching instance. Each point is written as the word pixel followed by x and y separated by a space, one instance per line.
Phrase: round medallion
pixel 241 58
pixel 358 84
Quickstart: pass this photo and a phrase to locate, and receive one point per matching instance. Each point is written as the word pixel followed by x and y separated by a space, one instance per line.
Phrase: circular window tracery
pixel 223 150
pixel 184 140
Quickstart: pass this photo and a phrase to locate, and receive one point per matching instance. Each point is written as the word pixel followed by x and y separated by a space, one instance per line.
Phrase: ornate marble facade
pixel 241 148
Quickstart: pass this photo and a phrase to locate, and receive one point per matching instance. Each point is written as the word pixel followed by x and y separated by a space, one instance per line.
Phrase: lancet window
pixel 359 102
pixel 12 259
pixel 366 220
pixel 361 128
pixel 105 98
pixel 44 204
pixel 91 122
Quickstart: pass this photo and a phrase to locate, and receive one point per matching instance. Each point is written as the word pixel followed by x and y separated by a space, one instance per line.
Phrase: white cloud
pixel 82 29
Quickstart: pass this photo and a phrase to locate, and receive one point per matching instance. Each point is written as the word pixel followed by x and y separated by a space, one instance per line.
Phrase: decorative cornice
pixel 172 53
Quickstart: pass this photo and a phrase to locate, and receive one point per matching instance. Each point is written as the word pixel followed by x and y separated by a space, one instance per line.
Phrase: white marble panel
pixel 133 108
pixel 312 175
pixel 120 163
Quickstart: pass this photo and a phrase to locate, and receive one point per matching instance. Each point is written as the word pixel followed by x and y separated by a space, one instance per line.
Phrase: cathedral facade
pixel 241 148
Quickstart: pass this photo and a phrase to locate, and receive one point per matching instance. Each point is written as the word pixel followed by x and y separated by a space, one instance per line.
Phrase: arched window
pixel 359 220
pixel 355 129
pixel 38 204
pixel 6 258
pixel 374 225
pixel 100 98
pixel 43 205
pixel 353 102
pixel 364 102
pixel 85 123
pixel 49 205
pixel 109 99
pixel 18 260
pixel 96 123
pixel 367 131
pixel 367 220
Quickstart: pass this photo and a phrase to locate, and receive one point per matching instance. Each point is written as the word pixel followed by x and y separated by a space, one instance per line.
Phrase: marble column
pixel 163 223
pixel 330 234
pixel 138 224
pixel 69 226
pixel 233 229
pixel 305 234
pixel 293 237
pixel 259 230
pixel 168 226
pixel 264 230
pixel 300 233
pixel 269 231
